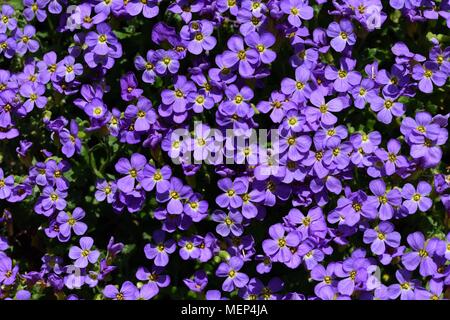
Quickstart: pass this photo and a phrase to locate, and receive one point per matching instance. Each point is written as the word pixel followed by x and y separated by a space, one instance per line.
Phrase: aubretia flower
pixel 68 69
pixel 386 108
pixel 278 248
pixel 342 34
pixel 245 59
pixel 34 93
pixel 230 271
pixel 143 114
pixel 421 255
pixel 128 291
pixel 297 10
pixel 70 141
pixel 417 198
pixel 344 78
pixel 429 74
pixel 83 255
pixel 381 236
pixel 229 223
pixel 25 41
pixel 8 272
pixel 149 8
pixel 198 283
pixel 384 200
pixel 6 184
pixel 71 221
pixel 198 34
pixel 7 21
pixel 160 250
pixel 262 43
pixel 174 195
pixel 132 169
pixel 129 87
pixel 35 8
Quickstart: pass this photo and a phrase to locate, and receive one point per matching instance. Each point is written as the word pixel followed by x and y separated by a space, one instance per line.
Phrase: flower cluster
pixel 345 196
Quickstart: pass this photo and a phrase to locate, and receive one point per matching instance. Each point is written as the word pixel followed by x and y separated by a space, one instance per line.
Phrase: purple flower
pixel 6 184
pixel 344 78
pixel 278 248
pixel 160 250
pixel 421 255
pixel 427 75
pixel 381 236
pixel 230 222
pixel 297 10
pixel 8 273
pixel 149 8
pixel 262 43
pixel 384 200
pixel 35 8
pixel 132 169
pixel 198 283
pixel 71 221
pixel 68 69
pixel 174 196
pixel 417 198
pixel 7 21
pixel 245 59
pixel 342 34
pixel 198 35
pixel 230 271
pixel 386 108
pixel 25 41
pixel 129 87
pixel 128 291
pixel 83 255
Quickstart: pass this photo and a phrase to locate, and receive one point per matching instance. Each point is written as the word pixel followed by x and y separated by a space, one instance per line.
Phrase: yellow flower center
pixel 228 221
pixel 382 199
pixel 242 55
pixel 200 99
pixel 392 157
pixel 157 176
pixel 282 242
pixel 179 93
pixel 133 173
pixel 343 35
pixel 291 141
pixel 421 129
pixel 342 74
pixel 299 85
pixel 423 253
pixel 319 155
pixel 174 195
pixel 102 38
pixel 388 104
pixel 416 197
pixel 199 37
